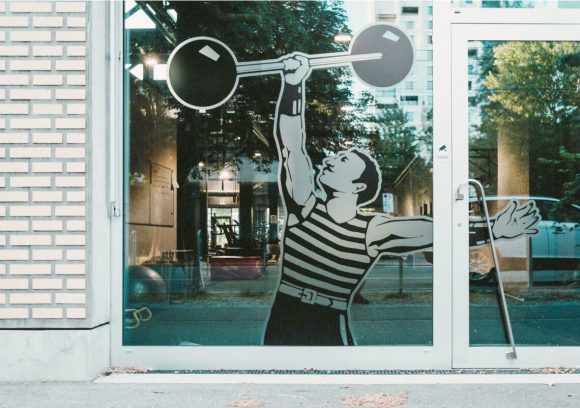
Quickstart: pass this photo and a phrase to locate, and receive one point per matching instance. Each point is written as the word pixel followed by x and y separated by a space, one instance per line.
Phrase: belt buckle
pixel 308 296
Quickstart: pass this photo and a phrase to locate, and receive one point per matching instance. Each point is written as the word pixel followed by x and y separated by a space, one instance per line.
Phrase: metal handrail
pixel 513 354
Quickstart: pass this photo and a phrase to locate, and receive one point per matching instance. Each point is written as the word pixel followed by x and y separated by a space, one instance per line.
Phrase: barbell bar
pixel 316 61
pixel 203 72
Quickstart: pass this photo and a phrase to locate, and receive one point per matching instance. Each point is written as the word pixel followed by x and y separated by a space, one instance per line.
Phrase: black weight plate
pixel 397 51
pixel 202 73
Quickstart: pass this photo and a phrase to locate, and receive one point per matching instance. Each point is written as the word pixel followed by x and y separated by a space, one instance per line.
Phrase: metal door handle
pixel 459 195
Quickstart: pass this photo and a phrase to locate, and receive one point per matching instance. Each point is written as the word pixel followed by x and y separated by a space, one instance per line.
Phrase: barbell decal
pixel 203 72
pixel 209 52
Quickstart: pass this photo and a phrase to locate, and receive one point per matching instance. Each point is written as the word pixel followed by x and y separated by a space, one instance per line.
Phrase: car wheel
pixel 481 279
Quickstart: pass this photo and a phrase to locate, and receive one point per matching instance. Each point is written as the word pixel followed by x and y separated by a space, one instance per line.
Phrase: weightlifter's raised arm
pixel 297 180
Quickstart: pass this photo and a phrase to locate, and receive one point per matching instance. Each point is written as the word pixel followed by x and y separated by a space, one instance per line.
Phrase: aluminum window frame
pixel 230 357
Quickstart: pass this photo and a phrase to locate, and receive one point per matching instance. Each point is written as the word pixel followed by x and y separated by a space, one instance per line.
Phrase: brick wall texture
pixel 42 161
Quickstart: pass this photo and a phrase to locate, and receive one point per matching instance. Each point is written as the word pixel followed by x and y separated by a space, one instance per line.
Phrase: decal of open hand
pixel 516 220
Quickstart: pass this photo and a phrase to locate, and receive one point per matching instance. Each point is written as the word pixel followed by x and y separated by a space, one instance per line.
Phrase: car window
pixel 551 211
pixel 571 214
pixel 546 209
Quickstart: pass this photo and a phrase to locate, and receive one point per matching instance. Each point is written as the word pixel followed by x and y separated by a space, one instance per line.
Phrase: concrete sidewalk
pixel 561 394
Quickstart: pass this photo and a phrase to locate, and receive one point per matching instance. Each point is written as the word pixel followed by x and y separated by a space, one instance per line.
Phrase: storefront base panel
pixel 54 355
pixel 277 358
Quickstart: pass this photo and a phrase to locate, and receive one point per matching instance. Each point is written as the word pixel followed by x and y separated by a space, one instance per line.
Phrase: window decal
pixel 328 245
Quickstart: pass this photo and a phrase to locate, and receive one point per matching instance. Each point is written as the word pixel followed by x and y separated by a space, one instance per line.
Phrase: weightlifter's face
pixel 339 172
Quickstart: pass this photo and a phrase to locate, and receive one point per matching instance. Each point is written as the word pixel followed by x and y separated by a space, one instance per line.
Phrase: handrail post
pixel 511 355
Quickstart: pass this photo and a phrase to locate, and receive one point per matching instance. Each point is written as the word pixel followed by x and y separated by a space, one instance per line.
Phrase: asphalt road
pixel 234 312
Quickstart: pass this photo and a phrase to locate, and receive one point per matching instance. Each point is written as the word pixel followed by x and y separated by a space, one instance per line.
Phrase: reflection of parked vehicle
pixel 555 248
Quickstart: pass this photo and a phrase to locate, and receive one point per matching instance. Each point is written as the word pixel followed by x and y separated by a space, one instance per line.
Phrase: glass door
pixel 516 175
pixel 278 194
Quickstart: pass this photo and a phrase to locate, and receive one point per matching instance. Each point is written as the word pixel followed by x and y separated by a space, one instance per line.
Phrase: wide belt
pixel 312 297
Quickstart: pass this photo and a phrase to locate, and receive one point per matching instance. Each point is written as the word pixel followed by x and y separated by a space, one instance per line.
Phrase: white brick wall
pixel 42 161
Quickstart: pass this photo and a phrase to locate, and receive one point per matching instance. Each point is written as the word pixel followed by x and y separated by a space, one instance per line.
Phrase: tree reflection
pixel 241 130
pixel 530 95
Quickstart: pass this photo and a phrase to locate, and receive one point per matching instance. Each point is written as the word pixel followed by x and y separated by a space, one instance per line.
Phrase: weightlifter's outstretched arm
pixel 297 180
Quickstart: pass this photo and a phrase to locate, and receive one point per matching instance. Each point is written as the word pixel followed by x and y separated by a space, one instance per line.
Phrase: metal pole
pixel 512 355
pixel 530 263
pixel 400 276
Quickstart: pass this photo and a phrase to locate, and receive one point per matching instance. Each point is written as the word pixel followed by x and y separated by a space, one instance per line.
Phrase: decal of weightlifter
pixel 328 246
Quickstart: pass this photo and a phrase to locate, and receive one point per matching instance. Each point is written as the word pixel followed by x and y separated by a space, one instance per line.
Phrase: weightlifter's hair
pixel 371 177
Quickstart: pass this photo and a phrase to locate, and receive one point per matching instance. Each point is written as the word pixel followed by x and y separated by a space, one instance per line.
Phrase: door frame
pixel 465 356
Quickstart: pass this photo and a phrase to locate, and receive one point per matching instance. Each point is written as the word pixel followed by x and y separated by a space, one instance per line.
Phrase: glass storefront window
pixel 524 149
pixel 242 225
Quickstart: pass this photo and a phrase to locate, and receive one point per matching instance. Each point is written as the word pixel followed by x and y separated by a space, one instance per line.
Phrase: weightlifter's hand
pixel 296 69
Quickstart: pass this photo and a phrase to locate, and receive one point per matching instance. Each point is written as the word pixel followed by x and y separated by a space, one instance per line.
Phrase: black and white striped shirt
pixel 325 256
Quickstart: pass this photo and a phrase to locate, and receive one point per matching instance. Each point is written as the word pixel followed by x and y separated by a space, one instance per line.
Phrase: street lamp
pixel 342 38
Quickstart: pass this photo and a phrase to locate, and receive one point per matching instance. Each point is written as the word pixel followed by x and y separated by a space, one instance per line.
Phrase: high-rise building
pixel 415 94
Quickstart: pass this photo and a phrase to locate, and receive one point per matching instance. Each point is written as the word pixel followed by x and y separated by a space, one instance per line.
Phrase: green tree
pixel 529 92
pixel 507 4
pixel 243 127
pixel 394 144
pixel 257 30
